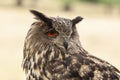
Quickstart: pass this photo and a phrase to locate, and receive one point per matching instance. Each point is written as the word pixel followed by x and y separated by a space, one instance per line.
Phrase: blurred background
pixel 99 31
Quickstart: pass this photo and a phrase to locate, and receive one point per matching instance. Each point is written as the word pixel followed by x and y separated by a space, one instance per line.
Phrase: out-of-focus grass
pixel 114 2
pixel 106 2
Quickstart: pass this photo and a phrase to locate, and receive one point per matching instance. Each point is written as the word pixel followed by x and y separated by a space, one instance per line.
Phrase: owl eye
pixel 52 33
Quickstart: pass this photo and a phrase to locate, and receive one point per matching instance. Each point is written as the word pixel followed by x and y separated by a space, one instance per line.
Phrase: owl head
pixel 57 31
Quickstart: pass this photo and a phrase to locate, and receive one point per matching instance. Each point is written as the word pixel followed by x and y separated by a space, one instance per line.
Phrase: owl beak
pixel 65 44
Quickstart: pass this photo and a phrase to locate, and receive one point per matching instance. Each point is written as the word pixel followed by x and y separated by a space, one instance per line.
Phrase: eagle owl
pixel 52 51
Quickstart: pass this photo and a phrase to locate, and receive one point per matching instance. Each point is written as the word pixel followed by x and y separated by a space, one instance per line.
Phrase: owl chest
pixel 46 66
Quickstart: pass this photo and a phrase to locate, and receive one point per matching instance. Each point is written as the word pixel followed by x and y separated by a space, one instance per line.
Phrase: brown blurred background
pixel 99 31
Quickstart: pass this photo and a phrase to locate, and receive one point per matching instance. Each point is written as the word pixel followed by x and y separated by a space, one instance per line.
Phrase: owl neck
pixel 58 53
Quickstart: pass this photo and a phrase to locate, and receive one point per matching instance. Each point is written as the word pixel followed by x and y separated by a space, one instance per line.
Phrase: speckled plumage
pixel 61 56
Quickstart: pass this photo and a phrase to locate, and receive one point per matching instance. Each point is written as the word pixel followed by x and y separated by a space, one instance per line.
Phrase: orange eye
pixel 52 33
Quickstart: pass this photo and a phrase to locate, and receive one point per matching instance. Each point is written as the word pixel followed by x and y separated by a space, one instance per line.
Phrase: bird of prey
pixel 52 51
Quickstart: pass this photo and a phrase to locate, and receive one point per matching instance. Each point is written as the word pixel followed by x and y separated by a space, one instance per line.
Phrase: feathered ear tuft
pixel 76 20
pixel 42 17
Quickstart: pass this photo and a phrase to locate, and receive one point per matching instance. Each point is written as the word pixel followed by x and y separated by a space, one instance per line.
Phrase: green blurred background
pixel 99 31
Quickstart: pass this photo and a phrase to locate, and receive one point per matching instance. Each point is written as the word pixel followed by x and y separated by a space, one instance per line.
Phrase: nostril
pixel 65 44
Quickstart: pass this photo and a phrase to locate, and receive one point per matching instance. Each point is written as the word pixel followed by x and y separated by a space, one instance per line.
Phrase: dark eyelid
pixel 49 30
pixel 52 30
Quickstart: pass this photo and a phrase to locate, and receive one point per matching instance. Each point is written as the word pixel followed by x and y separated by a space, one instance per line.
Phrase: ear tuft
pixel 42 17
pixel 77 20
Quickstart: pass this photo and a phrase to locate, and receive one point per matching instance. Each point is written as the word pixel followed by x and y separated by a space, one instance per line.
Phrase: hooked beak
pixel 65 44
